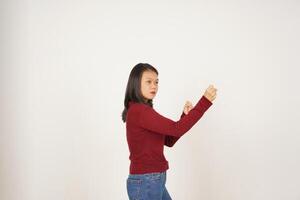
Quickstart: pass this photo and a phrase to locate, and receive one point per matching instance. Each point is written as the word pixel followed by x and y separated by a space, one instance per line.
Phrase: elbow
pixel 169 145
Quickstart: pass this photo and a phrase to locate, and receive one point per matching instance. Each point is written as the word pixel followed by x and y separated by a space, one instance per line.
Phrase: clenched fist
pixel 187 107
pixel 210 93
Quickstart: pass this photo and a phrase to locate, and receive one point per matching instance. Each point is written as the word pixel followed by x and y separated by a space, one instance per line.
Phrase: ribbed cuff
pixel 203 104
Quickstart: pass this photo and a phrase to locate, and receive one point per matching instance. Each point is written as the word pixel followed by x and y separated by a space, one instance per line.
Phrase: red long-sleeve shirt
pixel 147 132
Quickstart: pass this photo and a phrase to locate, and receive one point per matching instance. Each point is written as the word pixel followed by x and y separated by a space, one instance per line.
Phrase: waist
pixel 148 167
pixel 151 174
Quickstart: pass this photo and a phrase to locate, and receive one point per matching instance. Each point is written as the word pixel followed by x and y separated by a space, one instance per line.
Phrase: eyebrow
pixel 151 78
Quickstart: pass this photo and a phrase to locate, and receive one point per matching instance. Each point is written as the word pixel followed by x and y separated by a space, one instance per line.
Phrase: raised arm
pixel 153 121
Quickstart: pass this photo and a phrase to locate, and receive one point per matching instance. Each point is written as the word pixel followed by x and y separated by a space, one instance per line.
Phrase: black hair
pixel 133 89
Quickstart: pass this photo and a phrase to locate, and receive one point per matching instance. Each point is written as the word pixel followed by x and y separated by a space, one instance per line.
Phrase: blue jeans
pixel 150 186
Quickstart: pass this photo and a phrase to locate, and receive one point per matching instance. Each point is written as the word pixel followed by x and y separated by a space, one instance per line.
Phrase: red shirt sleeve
pixel 171 140
pixel 153 121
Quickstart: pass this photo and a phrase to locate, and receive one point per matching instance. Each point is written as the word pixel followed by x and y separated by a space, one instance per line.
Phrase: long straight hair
pixel 133 89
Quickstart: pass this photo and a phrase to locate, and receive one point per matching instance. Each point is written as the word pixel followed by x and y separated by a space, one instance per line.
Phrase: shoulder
pixel 136 111
pixel 138 107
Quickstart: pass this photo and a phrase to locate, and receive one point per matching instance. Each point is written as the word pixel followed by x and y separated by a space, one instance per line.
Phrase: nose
pixel 153 86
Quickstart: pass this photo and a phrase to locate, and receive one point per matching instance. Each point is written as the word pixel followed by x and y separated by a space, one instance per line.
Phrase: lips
pixel 152 92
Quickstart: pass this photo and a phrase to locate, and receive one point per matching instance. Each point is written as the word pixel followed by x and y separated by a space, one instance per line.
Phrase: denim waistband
pixel 147 174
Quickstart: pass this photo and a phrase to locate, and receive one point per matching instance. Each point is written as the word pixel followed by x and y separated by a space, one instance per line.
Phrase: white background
pixel 64 70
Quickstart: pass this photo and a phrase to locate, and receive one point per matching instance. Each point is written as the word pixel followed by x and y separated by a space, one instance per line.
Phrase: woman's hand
pixel 187 107
pixel 210 93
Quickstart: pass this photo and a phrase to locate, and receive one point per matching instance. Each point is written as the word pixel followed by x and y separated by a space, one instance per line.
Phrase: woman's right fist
pixel 210 93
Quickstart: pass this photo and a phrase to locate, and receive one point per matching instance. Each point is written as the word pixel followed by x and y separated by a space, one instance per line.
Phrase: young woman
pixel 147 132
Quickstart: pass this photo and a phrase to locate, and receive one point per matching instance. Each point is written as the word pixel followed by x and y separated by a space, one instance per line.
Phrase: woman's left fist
pixel 187 107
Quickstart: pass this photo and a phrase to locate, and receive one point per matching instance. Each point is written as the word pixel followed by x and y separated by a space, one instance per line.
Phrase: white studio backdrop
pixel 64 69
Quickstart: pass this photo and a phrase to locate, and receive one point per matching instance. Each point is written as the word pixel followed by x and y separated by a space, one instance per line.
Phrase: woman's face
pixel 149 84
